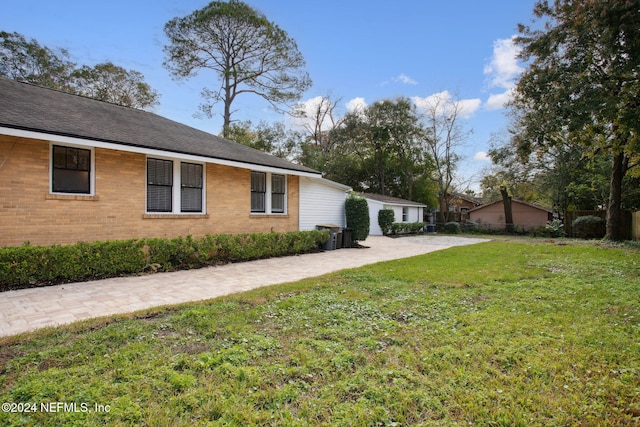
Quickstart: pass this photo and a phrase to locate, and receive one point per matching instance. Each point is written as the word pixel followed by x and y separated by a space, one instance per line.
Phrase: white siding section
pixel 321 202
pixel 375 207
pixel 414 215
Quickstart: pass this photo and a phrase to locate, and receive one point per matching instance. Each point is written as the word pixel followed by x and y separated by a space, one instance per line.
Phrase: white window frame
pixel 268 208
pixel 176 199
pixel 92 169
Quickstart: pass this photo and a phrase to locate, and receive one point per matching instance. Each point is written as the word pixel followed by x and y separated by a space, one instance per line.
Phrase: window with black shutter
pixel 159 185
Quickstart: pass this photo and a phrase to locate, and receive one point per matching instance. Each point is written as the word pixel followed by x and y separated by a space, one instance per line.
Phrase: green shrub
pixel 407 227
pixel 385 220
pixel 40 265
pixel 554 228
pixel 452 228
pixel 588 227
pixel 357 212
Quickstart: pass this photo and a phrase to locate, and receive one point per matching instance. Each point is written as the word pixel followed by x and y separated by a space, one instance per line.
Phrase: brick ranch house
pixel 76 169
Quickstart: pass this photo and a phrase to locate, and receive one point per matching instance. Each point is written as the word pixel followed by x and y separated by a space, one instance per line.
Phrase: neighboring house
pixel 404 210
pixel 525 215
pixel 76 169
pixel 322 202
pixel 459 206
pixel 463 203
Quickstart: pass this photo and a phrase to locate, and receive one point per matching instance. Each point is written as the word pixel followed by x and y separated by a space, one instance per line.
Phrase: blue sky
pixel 356 50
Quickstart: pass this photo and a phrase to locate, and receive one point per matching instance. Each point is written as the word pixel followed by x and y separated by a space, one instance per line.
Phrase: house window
pixel 278 191
pixel 159 185
pixel 174 186
pixel 274 185
pixel 405 214
pixel 258 191
pixel 191 187
pixel 71 170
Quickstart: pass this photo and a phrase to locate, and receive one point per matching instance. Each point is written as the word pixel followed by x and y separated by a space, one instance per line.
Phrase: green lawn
pixel 499 333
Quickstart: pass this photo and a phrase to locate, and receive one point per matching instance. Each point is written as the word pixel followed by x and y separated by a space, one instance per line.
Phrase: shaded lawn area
pixel 498 333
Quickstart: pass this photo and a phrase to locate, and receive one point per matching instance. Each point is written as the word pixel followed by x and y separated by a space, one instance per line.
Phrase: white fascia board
pixel 149 151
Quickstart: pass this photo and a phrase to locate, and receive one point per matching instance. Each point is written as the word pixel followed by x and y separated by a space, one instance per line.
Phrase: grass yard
pixel 496 334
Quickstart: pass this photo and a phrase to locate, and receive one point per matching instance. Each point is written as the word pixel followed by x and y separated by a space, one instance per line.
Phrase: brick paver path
pixel 28 309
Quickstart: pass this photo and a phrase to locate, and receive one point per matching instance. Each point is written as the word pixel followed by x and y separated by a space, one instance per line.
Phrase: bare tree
pixel 317 117
pixel 444 134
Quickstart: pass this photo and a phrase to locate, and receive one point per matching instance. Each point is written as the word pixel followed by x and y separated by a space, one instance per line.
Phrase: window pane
pixel 191 175
pixel 258 181
pixel 158 198
pixel 277 183
pixel 159 172
pixel 257 202
pixel 70 181
pixel 59 157
pixel 277 203
pixel 191 199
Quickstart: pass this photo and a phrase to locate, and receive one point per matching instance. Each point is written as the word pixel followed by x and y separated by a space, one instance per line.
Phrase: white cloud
pixel 443 103
pixel 502 71
pixel 403 78
pixel 498 101
pixel 481 156
pixel 504 67
pixel 356 104
pixel 400 78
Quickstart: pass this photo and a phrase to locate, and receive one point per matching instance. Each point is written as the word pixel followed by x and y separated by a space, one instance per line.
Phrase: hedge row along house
pixel 77 169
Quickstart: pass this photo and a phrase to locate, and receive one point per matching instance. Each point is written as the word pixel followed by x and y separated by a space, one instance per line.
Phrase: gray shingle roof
pixel 28 107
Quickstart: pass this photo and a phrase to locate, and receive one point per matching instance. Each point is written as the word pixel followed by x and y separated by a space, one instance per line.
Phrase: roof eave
pixel 133 148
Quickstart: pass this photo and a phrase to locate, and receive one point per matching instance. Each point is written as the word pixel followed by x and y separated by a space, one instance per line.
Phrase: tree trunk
pixel 508 212
pixel 614 209
pixel 443 211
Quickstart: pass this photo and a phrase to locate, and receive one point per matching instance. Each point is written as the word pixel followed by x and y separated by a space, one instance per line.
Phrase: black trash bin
pixel 346 238
pixel 330 244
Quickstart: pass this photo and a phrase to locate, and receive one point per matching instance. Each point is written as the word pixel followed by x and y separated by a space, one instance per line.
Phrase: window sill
pixel 83 197
pixel 268 215
pixel 174 216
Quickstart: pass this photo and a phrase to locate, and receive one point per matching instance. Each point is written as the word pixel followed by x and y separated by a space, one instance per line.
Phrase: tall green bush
pixel 357 212
pixel 588 227
pixel 385 220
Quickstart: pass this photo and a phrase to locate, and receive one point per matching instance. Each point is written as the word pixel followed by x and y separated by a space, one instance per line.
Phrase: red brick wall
pixel 28 212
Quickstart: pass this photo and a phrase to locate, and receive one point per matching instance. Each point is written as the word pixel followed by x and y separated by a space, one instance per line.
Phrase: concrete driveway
pixel 29 309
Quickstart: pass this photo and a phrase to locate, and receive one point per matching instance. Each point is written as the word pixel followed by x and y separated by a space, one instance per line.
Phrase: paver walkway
pixel 29 309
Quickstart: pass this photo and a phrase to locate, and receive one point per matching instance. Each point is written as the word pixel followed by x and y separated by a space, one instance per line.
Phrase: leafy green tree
pixel 583 80
pixel 273 138
pixel 28 61
pixel 247 52
pixel 379 149
pixel 111 83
